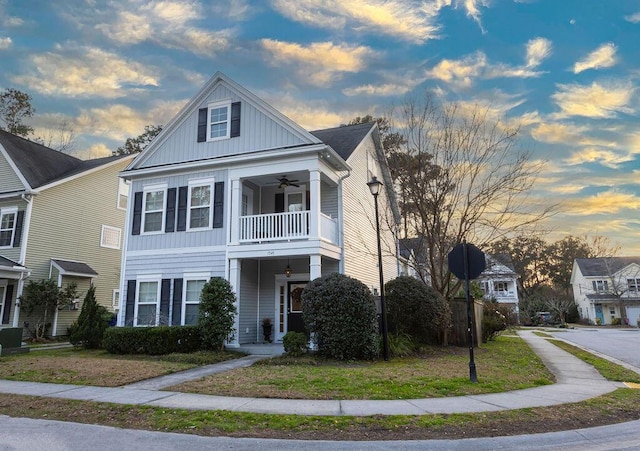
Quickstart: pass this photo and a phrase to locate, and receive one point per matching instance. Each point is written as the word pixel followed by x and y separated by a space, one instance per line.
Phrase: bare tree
pixel 464 176
pixel 63 138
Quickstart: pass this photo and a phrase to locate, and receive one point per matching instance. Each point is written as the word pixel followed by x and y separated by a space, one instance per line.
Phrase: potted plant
pixel 267 327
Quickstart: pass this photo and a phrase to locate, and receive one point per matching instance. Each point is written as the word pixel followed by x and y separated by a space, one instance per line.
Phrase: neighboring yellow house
pixel 61 218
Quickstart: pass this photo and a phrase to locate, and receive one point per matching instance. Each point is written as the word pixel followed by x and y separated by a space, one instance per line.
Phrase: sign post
pixel 467 262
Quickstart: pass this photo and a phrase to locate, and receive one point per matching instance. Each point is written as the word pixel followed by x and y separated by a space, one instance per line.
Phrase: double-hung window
pixel 600 286
pixel 191 298
pixel 219 121
pixel 633 285
pixel 147 305
pixel 153 210
pixel 7 226
pixel 200 208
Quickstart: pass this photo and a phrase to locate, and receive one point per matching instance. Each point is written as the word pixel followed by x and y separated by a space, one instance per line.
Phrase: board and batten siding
pixel 257 132
pixel 185 239
pixel 9 181
pixel 359 227
pixel 249 329
pixel 66 223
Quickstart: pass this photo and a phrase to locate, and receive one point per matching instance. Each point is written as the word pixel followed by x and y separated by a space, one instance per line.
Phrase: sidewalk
pixel 576 381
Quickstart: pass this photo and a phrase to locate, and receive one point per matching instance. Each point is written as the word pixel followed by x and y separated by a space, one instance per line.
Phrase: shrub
pixel 152 340
pixel 92 322
pixel 495 319
pixel 616 321
pixel 295 343
pixel 42 298
pixel 416 309
pixel 217 313
pixel 400 345
pixel 340 313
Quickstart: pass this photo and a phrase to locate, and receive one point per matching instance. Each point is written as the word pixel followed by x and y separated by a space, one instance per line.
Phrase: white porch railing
pixel 274 226
pixel 284 226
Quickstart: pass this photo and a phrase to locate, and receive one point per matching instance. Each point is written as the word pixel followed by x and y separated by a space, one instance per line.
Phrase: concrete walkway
pixel 576 381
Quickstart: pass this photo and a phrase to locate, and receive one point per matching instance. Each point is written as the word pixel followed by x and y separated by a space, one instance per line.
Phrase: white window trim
pixel 220 104
pixel 293 190
pixel 151 189
pixel 8 211
pixel 148 278
pixel 115 299
pixel 112 229
pixel 186 278
pixel 197 183
pixel 122 182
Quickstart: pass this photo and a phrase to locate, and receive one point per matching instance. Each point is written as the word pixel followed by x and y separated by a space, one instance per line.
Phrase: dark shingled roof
pixel 41 165
pixel 604 266
pixel 345 139
pixel 7 263
pixel 504 259
pixel 75 267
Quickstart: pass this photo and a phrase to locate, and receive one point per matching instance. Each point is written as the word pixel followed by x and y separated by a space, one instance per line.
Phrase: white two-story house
pixel 603 286
pixel 499 280
pixel 233 188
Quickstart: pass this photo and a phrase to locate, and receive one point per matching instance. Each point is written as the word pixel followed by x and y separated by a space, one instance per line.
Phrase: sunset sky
pixel 567 71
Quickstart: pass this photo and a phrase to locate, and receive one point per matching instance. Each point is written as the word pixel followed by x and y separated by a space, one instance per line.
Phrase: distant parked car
pixel 543 318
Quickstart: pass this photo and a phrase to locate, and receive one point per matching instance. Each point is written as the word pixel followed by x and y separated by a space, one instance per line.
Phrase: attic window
pixel 220 120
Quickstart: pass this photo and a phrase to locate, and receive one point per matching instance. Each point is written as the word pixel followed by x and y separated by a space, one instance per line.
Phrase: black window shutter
pixel 235 119
pixel 7 304
pixel 202 124
pixel 182 208
pixel 170 220
pixel 131 300
pixel 279 202
pixel 218 205
pixel 165 291
pixel 176 315
pixel 137 213
pixel 17 236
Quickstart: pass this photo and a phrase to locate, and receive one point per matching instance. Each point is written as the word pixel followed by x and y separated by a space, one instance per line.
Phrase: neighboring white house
pixel 233 188
pixel 499 280
pixel 602 285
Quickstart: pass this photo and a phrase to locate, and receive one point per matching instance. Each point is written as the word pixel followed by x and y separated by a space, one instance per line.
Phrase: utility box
pixel 11 341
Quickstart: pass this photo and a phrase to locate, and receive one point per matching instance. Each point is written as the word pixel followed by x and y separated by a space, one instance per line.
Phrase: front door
pixel 599 314
pixel 294 306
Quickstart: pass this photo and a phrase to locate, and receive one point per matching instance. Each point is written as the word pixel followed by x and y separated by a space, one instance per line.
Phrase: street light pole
pixel 374 186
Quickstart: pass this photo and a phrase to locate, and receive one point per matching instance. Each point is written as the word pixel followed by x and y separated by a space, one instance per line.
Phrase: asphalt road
pixel 35 435
pixel 621 344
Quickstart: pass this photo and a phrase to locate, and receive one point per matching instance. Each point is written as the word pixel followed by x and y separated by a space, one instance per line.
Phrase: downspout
pixel 28 198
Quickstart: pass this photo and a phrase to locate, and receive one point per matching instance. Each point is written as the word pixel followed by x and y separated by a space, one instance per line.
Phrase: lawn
pixel 97 367
pixel 502 365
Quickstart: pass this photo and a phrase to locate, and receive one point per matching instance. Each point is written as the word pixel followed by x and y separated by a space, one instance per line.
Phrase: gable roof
pixel 503 259
pixel 40 165
pixel 604 266
pixel 344 139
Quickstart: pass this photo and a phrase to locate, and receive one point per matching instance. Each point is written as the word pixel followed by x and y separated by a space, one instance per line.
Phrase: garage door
pixel 633 313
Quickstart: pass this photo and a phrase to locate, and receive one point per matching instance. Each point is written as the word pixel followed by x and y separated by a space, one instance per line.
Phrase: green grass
pixel 502 365
pixel 608 369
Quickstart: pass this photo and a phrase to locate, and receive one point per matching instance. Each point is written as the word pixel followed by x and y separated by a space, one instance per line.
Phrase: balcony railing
pixel 284 226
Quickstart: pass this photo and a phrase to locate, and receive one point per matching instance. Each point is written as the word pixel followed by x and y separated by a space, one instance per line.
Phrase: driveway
pixel 621 344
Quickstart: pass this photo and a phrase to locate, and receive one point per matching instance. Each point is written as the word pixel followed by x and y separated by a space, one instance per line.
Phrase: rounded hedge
pixel 340 314
pixel 416 309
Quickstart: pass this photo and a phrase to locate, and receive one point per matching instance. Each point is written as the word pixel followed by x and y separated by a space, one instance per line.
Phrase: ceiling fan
pixel 284 182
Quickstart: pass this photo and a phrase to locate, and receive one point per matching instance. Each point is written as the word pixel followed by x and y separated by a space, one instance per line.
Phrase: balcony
pixel 286 226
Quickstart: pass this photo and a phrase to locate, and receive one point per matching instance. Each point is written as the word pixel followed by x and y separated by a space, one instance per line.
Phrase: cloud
pixel 606 202
pixel 604 157
pixel 81 73
pixel 414 22
pixel 633 18
pixel 595 101
pixel 384 89
pixel 98 150
pixel 320 62
pixel 233 9
pixel 165 23
pixel 473 10
pixel 557 133
pixel 537 50
pixel 603 56
pixel 459 72
pixel 5 43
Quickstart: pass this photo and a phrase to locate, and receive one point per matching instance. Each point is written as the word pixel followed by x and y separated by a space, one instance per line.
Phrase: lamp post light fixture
pixel 374 186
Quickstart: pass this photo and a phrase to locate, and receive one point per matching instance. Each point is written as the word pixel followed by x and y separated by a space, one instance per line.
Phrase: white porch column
pixel 315 266
pixel 16 311
pixel 234 280
pixel 314 207
pixel 236 207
